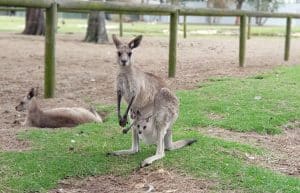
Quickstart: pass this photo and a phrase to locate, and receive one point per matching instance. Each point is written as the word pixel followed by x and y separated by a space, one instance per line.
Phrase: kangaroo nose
pixel 140 132
pixel 123 62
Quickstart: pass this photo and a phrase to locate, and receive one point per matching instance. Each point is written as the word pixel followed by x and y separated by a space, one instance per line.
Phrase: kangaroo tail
pixel 97 116
pixel 182 143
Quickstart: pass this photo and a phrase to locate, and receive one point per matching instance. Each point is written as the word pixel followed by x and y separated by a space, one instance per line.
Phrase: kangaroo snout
pixel 123 62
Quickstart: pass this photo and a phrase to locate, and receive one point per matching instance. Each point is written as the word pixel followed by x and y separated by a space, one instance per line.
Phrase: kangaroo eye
pixel 129 54
pixel 138 126
pixel 119 54
pixel 144 127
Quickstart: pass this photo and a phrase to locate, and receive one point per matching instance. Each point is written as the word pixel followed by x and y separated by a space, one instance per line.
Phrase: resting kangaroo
pixel 154 126
pixel 137 87
pixel 54 118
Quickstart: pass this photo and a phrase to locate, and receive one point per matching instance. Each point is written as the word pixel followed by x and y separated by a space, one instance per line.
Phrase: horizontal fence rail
pixel 116 7
pixel 86 6
pixel 27 3
pixel 232 13
pixel 120 8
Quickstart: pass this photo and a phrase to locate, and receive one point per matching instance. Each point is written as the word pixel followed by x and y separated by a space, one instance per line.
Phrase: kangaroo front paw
pixel 123 121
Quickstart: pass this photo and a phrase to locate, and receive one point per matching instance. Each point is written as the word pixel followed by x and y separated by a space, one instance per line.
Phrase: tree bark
pixel 35 22
pixel 260 21
pixel 96 31
pixel 239 6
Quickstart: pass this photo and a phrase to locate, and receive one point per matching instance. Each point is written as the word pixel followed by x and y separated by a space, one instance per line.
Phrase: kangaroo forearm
pixel 129 106
pixel 119 104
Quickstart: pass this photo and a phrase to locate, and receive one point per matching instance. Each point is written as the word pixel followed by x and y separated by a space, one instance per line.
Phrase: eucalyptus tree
pixel 96 30
pixel 34 22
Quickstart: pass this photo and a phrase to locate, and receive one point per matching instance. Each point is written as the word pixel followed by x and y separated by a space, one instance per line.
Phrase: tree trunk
pixel 96 31
pixel 239 6
pixel 260 21
pixel 35 22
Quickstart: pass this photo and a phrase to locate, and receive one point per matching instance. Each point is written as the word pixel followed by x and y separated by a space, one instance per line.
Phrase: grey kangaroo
pixel 54 118
pixel 154 126
pixel 137 87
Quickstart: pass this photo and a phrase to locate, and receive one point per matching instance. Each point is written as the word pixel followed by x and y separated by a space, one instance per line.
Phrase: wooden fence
pixel 53 6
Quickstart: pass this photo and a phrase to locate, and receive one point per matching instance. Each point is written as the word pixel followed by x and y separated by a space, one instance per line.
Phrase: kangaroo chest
pixel 132 87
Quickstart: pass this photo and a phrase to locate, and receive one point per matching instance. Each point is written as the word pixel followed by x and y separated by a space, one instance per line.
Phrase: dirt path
pixel 143 181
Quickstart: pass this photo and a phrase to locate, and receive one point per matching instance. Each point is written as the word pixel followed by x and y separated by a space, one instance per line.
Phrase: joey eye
pixel 129 54
pixel 119 54
pixel 144 127
pixel 138 126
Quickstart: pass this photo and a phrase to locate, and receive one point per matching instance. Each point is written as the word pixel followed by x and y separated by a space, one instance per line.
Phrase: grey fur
pixel 54 118
pixel 132 82
pixel 154 126
pixel 147 98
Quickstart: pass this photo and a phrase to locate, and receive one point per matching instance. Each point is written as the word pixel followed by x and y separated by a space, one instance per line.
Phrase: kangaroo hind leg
pixel 134 148
pixel 170 145
pixel 160 149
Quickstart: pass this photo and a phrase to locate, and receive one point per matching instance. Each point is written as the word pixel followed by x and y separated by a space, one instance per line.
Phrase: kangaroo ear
pixel 135 42
pixel 117 42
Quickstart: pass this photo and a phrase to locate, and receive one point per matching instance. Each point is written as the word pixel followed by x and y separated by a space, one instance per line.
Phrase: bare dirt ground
pixel 145 180
pixel 86 75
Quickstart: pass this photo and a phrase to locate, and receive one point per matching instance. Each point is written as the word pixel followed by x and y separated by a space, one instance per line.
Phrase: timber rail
pixel 53 6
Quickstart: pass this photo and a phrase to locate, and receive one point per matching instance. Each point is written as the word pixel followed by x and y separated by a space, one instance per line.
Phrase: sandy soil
pixel 143 181
pixel 86 74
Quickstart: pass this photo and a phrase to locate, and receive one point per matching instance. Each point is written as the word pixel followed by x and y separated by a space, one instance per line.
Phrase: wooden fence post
pixel 51 24
pixel 287 39
pixel 242 48
pixel 184 26
pixel 173 43
pixel 249 28
pixel 121 25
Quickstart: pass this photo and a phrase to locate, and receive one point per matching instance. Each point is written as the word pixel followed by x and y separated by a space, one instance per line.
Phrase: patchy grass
pixel 262 103
pixel 16 24
pixel 81 151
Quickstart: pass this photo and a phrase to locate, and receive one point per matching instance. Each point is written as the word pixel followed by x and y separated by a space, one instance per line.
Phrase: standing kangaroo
pixel 54 118
pixel 145 94
pixel 154 126
pixel 137 87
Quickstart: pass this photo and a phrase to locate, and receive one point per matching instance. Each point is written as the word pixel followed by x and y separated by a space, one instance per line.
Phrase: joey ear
pixel 117 42
pixel 135 42
pixel 147 119
pixel 32 93
pixel 138 115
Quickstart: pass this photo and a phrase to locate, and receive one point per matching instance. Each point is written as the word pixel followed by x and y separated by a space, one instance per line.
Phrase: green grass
pixel 81 151
pixel 261 104
pixel 16 24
